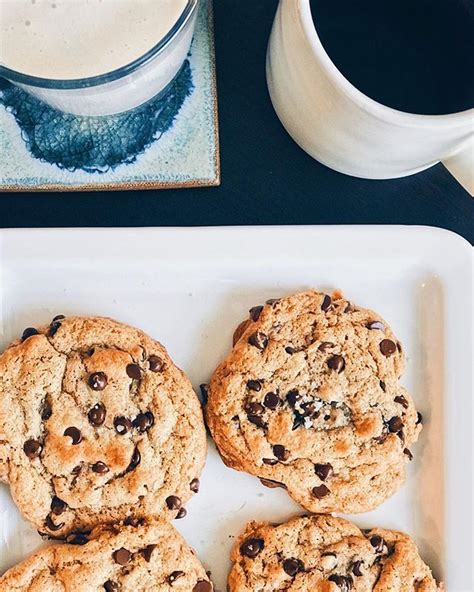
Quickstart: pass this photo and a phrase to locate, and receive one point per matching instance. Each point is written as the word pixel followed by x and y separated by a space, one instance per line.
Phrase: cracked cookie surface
pixel 126 558
pixel 96 424
pixel 322 553
pixel 309 399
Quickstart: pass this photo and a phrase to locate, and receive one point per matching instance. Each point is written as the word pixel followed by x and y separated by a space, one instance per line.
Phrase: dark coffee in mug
pixel 412 55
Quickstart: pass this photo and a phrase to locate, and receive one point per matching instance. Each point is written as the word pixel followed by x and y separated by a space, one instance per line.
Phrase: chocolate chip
pixel 257 420
pixel 402 401
pixel 344 582
pixel 57 506
pixel 74 434
pixel 110 586
pixel 96 415
pixel 293 566
pixel 382 438
pixel 272 301
pixel 32 448
pixel 328 561
pixel 173 502
pixel 320 491
pixel 271 401
pixel 419 418
pixel 204 388
pixel 29 332
pixel 290 350
pixel 258 340
pixel 377 543
pixel 325 345
pixel 133 521
pixel 382 385
pixel 135 460
pixel 77 538
pixel 251 548
pixel 51 525
pixel 134 371
pixel 76 470
pixel 348 308
pixel 395 424
pixel 100 467
pixel 337 363
pixel 255 312
pixel 272 484
pixel 143 421
pixel 59 317
pixel 399 347
pixel 122 556
pixel 298 421
pixel 47 410
pixel 174 576
pixel 182 512
pixel 408 453
pixel 97 381
pixel 356 568
pixel 147 551
pixel 53 328
pixel 281 452
pixel 122 425
pixel 387 347
pixel 323 471
pixel 156 364
pixel 326 303
pixel 254 408
pixel 194 485
pixel 376 325
pixel 293 397
pixel 254 385
pixel 202 586
pixel 270 461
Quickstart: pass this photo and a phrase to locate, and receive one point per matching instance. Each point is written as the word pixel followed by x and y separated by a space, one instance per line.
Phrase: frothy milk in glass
pixel 71 39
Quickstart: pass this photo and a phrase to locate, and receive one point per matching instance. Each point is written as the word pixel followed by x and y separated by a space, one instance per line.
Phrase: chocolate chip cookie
pixel 96 424
pixel 322 553
pixel 309 400
pixel 126 558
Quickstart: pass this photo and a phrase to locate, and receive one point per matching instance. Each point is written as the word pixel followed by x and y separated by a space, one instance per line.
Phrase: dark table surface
pixel 266 177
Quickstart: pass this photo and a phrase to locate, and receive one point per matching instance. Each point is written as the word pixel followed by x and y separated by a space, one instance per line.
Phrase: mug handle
pixel 461 165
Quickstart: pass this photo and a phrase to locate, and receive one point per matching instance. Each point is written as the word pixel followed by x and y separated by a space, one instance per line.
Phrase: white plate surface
pixel 190 287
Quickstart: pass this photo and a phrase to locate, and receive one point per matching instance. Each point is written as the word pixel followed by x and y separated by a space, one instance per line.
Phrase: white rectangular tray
pixel 190 287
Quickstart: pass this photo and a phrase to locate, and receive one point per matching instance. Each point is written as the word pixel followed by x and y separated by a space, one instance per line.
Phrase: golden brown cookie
pixel 126 558
pixel 322 553
pixel 309 399
pixel 96 424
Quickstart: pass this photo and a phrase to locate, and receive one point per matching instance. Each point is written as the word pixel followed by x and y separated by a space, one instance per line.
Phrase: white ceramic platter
pixel 190 287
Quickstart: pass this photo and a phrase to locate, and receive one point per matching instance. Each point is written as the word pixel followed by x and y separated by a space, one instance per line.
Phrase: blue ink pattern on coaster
pixel 170 142
pixel 95 144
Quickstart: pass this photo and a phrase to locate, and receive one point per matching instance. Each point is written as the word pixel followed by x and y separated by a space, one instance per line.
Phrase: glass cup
pixel 124 88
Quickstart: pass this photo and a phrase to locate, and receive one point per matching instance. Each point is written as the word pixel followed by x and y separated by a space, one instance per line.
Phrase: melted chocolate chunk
pixel 258 340
pixel 344 582
pixel 336 363
pixel 387 347
pixel 134 371
pixel 97 381
pixel 122 425
pixel 156 364
pixel 293 566
pixel 74 434
pixel 97 415
pixel 29 332
pixel 271 401
pixel 122 556
pixel 194 485
pixel 173 502
pixel 32 448
pixel 323 471
pixel 175 576
pixel 326 303
pixel 255 313
pixel 320 491
pixel 251 548
pixel 58 506
pixel 147 551
pixel 254 385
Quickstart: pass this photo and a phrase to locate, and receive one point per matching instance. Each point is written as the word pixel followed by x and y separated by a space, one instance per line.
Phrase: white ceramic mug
pixel 343 128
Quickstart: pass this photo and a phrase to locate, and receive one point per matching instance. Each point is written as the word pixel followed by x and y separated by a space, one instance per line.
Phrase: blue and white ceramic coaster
pixel 172 141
